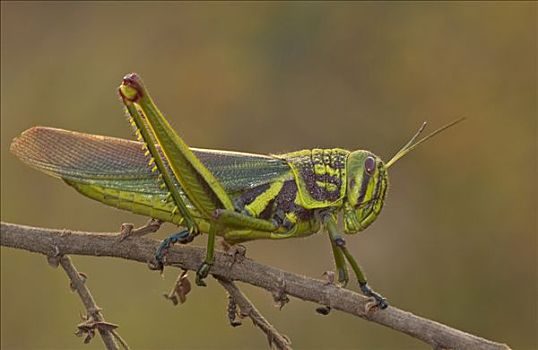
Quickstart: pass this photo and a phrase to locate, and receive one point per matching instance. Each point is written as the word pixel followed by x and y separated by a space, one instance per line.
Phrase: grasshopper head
pixel 367 182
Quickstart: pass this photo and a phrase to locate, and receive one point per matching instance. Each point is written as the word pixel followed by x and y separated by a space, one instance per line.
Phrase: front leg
pixel 329 221
pixel 340 262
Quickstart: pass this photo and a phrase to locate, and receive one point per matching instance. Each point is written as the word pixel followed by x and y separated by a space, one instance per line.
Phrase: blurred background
pixel 456 241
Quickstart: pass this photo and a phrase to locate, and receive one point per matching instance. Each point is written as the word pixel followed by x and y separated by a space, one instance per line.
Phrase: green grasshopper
pixel 237 196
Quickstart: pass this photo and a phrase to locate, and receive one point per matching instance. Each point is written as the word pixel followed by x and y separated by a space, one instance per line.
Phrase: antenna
pixel 411 145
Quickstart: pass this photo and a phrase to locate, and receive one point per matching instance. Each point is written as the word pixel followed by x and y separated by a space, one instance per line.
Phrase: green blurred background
pixel 456 241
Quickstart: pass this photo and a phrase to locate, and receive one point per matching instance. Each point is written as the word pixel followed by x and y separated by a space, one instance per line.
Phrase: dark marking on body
pixel 364 186
pixel 249 196
pixel 268 211
pixel 329 159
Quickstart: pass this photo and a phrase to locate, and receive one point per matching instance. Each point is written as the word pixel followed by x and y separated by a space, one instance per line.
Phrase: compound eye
pixel 369 165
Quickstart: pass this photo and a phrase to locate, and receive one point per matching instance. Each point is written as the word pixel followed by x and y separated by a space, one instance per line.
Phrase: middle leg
pixel 329 221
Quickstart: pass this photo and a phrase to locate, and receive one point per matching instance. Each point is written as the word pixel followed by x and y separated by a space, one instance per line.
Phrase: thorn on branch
pixel 128 230
pixel 238 252
pixel 330 276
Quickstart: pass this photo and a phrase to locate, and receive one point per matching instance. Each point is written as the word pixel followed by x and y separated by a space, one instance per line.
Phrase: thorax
pixel 320 175
pixel 317 180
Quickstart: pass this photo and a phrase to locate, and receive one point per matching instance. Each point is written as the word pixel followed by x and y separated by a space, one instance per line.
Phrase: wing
pixel 121 164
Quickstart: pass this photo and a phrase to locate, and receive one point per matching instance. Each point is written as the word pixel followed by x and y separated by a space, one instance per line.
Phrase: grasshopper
pixel 238 196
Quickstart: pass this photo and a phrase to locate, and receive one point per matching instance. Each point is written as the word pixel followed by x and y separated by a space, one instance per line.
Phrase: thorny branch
pixel 248 310
pixel 53 242
pixel 94 320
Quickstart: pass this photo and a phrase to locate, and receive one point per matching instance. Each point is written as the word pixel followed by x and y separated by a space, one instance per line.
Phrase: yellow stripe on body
pixel 261 202
pixel 322 169
pixel 329 186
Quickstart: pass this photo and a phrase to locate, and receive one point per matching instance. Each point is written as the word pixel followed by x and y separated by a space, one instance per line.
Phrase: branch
pixel 50 242
pixel 95 318
pixel 248 309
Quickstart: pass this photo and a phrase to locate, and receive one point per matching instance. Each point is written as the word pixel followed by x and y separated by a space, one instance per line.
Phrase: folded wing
pixel 121 164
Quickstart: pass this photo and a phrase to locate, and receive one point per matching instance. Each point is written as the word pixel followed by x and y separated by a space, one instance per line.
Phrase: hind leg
pixel 182 237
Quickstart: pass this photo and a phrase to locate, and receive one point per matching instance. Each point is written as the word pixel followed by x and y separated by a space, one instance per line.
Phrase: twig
pixel 120 340
pixel 128 230
pixel 95 318
pixel 44 241
pixel 248 309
